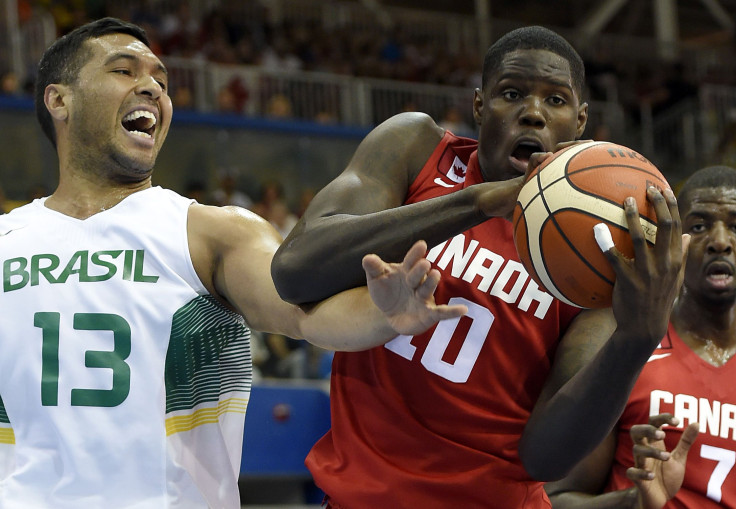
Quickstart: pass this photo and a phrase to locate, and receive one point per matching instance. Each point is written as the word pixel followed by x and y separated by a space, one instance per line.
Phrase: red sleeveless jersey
pixel 678 381
pixel 433 421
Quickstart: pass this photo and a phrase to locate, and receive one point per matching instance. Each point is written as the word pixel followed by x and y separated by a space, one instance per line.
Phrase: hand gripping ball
pixel 563 199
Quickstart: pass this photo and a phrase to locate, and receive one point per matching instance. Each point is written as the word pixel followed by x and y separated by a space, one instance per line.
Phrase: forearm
pixel 622 499
pixel 323 256
pixel 573 421
pixel 349 321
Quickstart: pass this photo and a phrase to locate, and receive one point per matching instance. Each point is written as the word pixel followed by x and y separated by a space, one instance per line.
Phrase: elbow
pixel 540 463
pixel 287 278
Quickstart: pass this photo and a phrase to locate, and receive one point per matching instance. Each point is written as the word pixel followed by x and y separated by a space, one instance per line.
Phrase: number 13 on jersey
pixel 114 360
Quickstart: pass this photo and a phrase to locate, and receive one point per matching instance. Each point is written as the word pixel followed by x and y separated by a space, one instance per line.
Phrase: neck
pixel 81 197
pixel 708 330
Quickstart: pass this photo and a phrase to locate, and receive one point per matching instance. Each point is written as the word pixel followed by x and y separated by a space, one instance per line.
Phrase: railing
pixel 688 135
pixel 325 97
pixel 315 96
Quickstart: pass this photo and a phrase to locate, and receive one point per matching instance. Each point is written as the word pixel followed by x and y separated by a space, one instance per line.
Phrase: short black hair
pixel 535 37
pixel 706 178
pixel 62 61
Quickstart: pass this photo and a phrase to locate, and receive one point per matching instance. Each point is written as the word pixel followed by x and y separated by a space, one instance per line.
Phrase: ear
pixel 57 99
pixel 582 120
pixel 477 105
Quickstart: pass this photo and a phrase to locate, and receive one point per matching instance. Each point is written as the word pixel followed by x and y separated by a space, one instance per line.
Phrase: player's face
pixel 710 219
pixel 120 111
pixel 528 105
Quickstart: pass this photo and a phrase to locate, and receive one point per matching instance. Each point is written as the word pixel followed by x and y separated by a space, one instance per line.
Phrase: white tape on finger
pixel 603 237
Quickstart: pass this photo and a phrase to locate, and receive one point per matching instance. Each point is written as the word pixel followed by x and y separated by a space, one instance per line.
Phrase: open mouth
pixel 719 274
pixel 523 151
pixel 141 123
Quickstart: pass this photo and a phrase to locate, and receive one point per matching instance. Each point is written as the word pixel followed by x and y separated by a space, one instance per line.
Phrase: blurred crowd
pixel 244 33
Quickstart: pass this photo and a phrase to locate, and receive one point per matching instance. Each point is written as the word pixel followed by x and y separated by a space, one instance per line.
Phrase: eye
pixel 161 84
pixel 511 95
pixel 124 71
pixel 697 228
pixel 556 100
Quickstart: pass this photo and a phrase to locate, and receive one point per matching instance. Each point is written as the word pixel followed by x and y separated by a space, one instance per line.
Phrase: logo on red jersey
pixel 452 167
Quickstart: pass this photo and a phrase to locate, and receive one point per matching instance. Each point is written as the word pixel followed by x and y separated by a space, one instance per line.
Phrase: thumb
pixel 687 439
pixel 373 266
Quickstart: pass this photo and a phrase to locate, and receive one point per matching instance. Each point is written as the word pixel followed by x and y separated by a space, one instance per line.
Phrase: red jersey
pixel 678 381
pixel 434 420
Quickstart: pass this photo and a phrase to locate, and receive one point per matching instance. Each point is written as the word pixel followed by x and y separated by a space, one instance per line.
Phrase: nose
pixel 150 87
pixel 532 113
pixel 720 240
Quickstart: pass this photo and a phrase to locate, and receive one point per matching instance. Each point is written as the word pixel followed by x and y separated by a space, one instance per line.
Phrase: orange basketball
pixel 569 193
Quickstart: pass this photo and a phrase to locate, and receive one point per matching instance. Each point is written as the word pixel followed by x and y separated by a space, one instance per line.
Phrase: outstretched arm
pixel 362 212
pixel 657 474
pixel 602 354
pixel 232 249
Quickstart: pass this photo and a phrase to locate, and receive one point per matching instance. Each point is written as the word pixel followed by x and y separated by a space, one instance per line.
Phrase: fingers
pixel 415 253
pixel 605 242
pixel 660 420
pixel 686 441
pixel 373 266
pixel 639 474
pixel 668 222
pixel 535 160
pixel 636 232
pixel 647 439
pixel 445 311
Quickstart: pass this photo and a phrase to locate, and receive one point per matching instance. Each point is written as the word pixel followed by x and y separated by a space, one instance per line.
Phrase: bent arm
pixel 362 212
pixel 594 371
pixel 583 487
pixel 593 374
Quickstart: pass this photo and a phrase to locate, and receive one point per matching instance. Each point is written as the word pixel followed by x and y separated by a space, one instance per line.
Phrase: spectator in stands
pixel 179 27
pixel 196 190
pixel 232 97
pixel 726 148
pixel 305 198
pixel 182 97
pixel 9 84
pixel 453 121
pixel 279 106
pixel 279 55
pixel 272 206
pixel 227 191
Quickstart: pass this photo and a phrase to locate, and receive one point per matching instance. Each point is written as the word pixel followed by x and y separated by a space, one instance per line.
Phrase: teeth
pixel 719 276
pixel 141 134
pixel 138 114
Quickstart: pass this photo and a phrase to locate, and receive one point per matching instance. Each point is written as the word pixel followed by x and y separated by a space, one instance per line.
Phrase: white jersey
pixel 123 383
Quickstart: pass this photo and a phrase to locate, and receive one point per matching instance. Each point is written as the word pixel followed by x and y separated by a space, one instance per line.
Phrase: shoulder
pixel 221 226
pixel 404 141
pixel 217 235
pixel 415 125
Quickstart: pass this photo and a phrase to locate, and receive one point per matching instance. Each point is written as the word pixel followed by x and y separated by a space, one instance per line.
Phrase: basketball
pixel 563 199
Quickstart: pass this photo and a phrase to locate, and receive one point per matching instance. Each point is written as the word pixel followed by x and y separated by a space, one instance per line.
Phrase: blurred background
pixel 271 98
